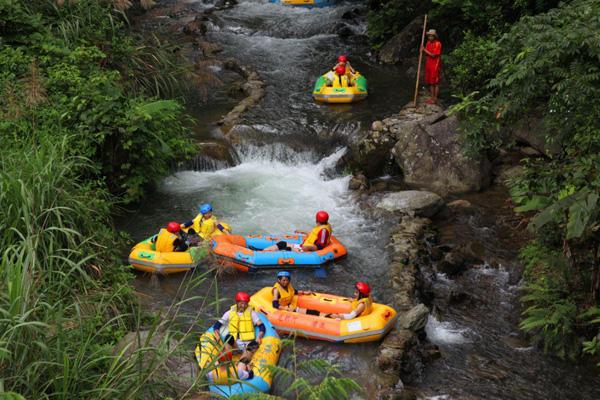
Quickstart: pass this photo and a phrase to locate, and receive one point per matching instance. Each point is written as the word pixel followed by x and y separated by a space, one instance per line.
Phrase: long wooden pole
pixel 420 59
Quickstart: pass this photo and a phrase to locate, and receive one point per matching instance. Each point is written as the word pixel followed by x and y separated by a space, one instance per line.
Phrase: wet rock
pixel 485 368
pixel 430 155
pixel 452 264
pixel 358 182
pixel 510 173
pixel 456 295
pixel 530 130
pixel 209 49
pixel 412 202
pixel 343 30
pixel 351 14
pixel 196 27
pixel 395 349
pixel 402 44
pixel 254 88
pixel 459 204
pixel 415 319
pixel 377 126
pixel 530 151
pixel 431 352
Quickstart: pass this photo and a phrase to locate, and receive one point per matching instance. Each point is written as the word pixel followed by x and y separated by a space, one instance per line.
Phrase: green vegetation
pixel 90 117
pixel 78 135
pixel 534 66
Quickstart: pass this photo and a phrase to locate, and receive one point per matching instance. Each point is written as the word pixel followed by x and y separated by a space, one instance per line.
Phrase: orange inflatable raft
pixel 364 328
pixel 245 252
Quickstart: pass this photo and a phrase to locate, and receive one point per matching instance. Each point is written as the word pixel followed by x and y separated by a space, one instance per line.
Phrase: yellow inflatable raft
pixel 340 92
pixel 145 258
pixel 225 381
pixel 364 328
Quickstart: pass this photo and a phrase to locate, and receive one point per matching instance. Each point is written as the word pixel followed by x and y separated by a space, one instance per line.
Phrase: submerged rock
pixel 412 202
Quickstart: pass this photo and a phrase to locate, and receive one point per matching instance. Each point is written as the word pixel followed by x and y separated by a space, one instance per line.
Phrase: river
pixel 282 171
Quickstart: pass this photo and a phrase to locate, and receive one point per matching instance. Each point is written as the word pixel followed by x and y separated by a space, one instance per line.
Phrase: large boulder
pixel 430 154
pixel 412 202
pixel 531 131
pixel 402 44
pixel 415 319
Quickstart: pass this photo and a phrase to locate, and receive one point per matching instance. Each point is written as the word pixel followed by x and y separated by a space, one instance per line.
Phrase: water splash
pixel 442 332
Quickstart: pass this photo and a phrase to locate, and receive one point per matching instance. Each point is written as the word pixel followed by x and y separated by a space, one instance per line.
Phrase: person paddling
pixel 317 239
pixel 205 224
pixel 361 305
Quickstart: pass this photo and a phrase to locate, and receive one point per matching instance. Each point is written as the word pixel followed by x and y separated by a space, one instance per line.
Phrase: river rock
pixel 530 130
pixel 377 126
pixel 358 182
pixel 209 49
pixel 412 202
pixel 509 173
pixel 402 44
pixel 452 264
pixel 393 352
pixel 430 155
pixel 415 319
pixel 196 27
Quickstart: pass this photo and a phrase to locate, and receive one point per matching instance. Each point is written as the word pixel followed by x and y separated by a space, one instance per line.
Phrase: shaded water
pixel 281 176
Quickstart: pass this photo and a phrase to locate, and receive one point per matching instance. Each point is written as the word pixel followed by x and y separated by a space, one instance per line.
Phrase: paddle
pixel 420 58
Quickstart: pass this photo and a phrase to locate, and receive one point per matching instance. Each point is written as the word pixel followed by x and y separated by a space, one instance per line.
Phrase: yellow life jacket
pixel 313 235
pixel 286 296
pixel 241 326
pixel 207 228
pixel 164 241
pixel 367 301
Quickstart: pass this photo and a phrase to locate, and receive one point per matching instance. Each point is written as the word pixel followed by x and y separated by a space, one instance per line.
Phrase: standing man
pixel 433 64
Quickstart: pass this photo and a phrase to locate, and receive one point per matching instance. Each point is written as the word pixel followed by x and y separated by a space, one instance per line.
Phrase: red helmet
pixel 363 288
pixel 322 217
pixel 340 70
pixel 173 227
pixel 242 296
pixel 342 59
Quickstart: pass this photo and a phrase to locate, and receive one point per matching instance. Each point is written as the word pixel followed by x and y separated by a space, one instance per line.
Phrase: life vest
pixel 367 301
pixel 207 228
pixel 286 296
pixel 313 237
pixel 164 241
pixel 241 326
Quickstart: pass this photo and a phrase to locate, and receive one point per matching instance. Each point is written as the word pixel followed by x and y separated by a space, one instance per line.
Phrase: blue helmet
pixel 205 208
pixel 284 274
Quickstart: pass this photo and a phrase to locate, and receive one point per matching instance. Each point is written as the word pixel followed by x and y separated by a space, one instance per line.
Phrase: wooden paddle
pixel 420 58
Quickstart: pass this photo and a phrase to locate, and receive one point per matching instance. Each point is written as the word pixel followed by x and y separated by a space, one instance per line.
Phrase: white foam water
pixel 442 332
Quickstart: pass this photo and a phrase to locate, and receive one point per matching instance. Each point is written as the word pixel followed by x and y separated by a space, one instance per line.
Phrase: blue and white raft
pixel 245 253
pixel 226 383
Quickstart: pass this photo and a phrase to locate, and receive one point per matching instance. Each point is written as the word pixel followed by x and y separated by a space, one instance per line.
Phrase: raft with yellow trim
pixel 340 93
pixel 227 384
pixel 364 328
pixel 144 257
pixel 305 3
pixel 245 252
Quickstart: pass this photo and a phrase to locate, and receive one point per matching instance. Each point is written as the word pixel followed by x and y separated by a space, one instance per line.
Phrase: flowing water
pixel 280 174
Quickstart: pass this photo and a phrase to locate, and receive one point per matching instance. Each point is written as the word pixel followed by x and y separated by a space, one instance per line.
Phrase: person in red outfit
pixel 433 64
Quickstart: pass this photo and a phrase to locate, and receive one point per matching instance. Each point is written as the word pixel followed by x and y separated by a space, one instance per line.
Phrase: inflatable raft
pixel 343 93
pixel 145 258
pixel 364 328
pixel 305 3
pixel 227 383
pixel 245 252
